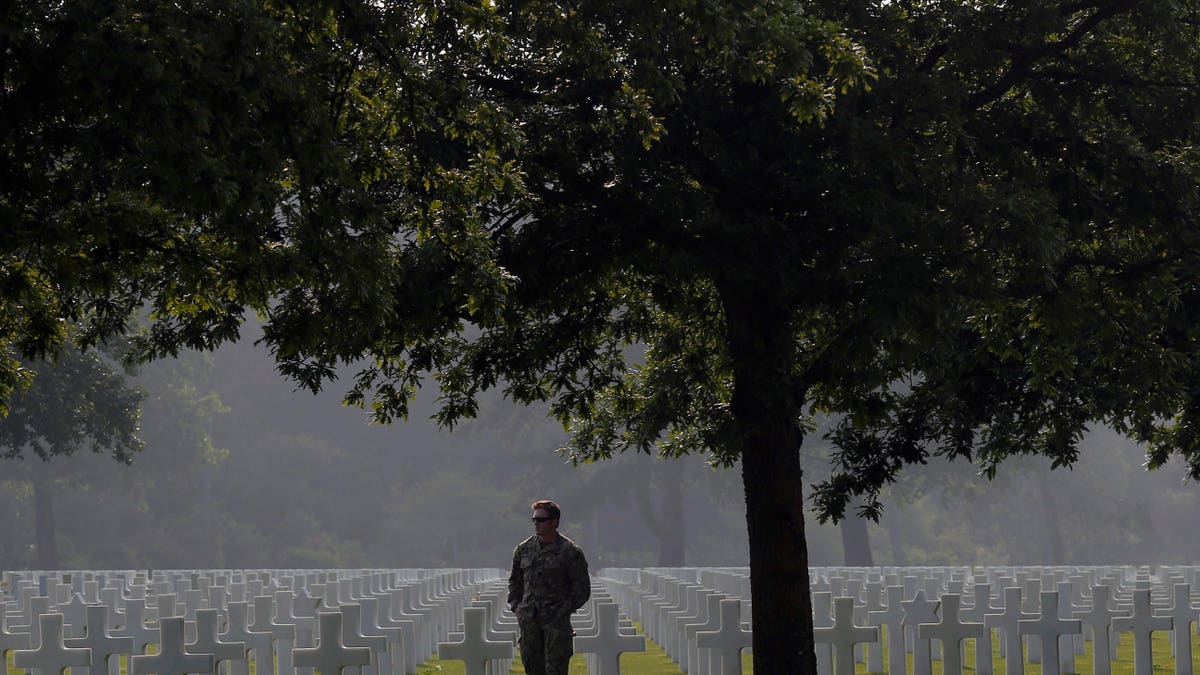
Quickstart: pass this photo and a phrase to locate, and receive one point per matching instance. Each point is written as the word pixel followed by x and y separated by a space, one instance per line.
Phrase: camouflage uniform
pixel 548 583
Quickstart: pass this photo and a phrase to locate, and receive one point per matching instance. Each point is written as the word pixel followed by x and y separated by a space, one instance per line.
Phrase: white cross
pixel 1099 617
pixel 35 607
pixel 171 658
pixel 330 655
pixel 257 643
pixel 697 657
pixel 283 633
pixel 74 616
pixel 135 626
pixel 297 609
pixel 167 607
pixel 1182 615
pixel 1048 627
pixel 843 635
pixel 51 656
pixel 822 613
pixel 916 612
pixel 10 641
pixel 951 630
pixel 301 609
pixel 728 642
pixel 415 626
pixel 475 649
pixel 696 615
pixel 393 635
pixel 406 648
pixel 892 617
pixel 99 641
pixel 265 622
pixel 216 598
pixel 873 592
pixel 1070 645
pixel 1008 622
pixel 112 600
pixel 1031 591
pixel 608 644
pixel 353 635
pixel 982 605
pixel 1141 624
pixel 207 641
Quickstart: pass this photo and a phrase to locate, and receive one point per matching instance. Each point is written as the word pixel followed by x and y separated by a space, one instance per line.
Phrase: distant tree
pixel 969 228
pixel 1106 509
pixel 856 542
pixel 174 486
pixel 17 552
pixel 80 402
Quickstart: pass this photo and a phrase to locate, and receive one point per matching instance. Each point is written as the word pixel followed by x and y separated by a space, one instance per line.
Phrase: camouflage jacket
pixel 548 581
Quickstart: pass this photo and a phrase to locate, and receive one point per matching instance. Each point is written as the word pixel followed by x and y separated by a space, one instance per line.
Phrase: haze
pixel 240 470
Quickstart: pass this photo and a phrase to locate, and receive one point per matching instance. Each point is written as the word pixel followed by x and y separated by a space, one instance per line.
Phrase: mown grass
pixel 654 661
pixel 1122 665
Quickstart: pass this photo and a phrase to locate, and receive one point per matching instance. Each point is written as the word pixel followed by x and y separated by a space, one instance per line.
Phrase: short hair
pixel 548 506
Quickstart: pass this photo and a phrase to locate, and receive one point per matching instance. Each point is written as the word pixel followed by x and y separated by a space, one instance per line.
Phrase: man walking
pixel 549 581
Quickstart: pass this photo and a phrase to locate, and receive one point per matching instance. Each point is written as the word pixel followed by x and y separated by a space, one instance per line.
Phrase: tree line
pixel 231 468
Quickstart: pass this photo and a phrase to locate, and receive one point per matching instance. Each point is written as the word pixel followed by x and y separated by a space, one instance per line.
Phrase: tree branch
pixel 1024 61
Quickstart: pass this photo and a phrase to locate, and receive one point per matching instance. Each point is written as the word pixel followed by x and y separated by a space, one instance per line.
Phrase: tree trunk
pixel 894 524
pixel 43 516
pixel 782 609
pixel 672 538
pixel 1055 551
pixel 856 541
pixel 666 524
pixel 767 406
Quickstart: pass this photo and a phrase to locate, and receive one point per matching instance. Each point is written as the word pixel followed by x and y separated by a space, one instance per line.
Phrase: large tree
pixel 965 228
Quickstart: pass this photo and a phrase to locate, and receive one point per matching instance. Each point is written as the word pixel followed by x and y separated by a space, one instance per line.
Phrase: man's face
pixel 543 526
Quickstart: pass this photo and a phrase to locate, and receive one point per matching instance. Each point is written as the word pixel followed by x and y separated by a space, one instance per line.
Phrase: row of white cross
pixel 371 622
pixel 384 622
pixel 601 633
pixel 925 611
pixel 290 621
pixel 490 632
pixel 695 615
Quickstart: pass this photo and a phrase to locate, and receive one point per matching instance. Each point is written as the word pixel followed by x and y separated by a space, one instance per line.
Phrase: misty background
pixel 240 470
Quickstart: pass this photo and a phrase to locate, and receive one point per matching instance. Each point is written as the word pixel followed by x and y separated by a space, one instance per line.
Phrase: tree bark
pixel 766 407
pixel 782 609
pixel 46 533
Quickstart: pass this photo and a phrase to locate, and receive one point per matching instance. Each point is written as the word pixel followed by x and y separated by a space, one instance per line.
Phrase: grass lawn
pixel 654 661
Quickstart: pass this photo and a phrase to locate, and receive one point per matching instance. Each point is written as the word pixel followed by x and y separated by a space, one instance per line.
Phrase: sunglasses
pixel 540 519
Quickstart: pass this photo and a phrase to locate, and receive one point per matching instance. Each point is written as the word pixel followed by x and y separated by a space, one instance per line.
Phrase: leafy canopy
pixel 82 401
pixel 973 221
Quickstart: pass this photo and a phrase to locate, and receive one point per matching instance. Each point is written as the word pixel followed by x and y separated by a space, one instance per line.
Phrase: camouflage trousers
pixel 546 646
